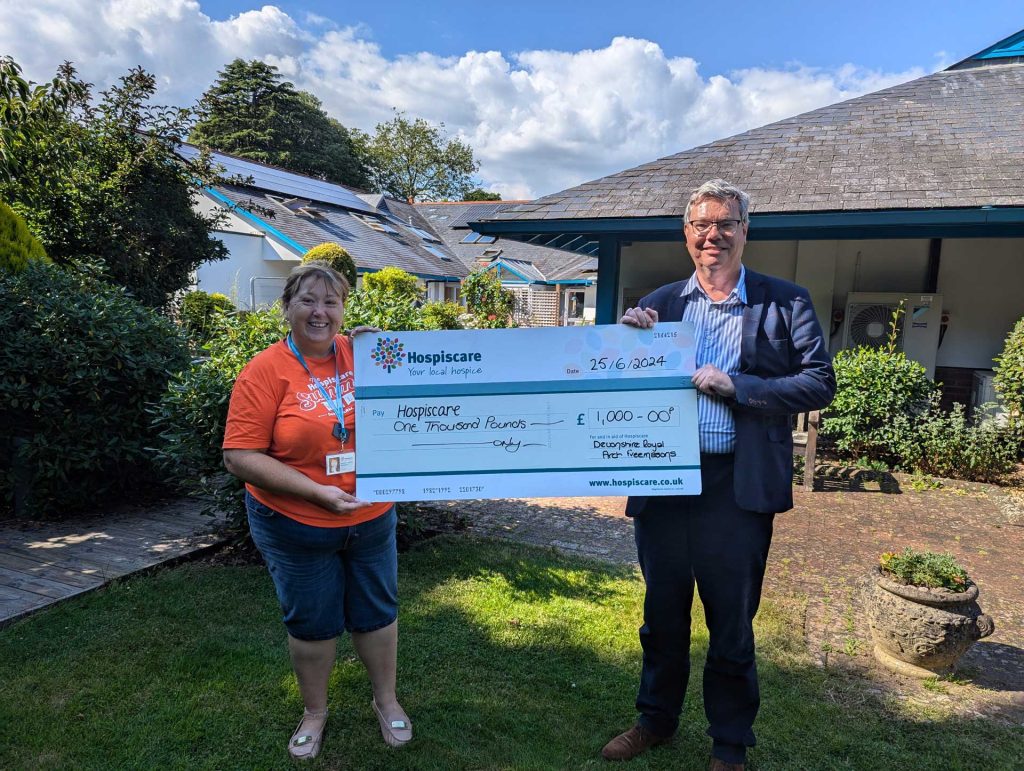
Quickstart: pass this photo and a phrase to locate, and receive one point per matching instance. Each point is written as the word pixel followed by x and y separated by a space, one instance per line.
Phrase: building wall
pixel 982 286
pixel 251 257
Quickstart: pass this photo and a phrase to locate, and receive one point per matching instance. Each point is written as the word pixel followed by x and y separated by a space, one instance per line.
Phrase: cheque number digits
pixel 637 362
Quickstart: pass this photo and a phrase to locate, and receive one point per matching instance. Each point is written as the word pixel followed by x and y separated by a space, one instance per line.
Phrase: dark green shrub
pixel 17 245
pixel 192 412
pixel 337 257
pixel 947 444
pixel 389 299
pixel 927 568
pixel 442 315
pixel 879 393
pixel 1009 381
pixel 79 363
pixel 489 302
pixel 198 312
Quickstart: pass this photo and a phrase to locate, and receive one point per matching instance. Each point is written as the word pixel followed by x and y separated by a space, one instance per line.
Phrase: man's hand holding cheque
pixel 708 379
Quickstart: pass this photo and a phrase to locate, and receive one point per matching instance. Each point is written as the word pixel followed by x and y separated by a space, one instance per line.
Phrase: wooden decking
pixel 42 563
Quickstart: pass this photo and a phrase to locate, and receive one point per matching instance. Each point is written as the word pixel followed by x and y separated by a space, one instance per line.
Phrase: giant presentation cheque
pixel 501 413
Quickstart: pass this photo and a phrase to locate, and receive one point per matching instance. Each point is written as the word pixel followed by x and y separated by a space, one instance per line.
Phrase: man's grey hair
pixel 722 191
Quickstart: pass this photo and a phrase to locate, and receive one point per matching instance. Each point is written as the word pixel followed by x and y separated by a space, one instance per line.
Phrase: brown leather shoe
pixel 717 764
pixel 628 745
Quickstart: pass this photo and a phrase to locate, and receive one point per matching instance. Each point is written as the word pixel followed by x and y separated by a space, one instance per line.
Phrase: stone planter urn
pixel 922 632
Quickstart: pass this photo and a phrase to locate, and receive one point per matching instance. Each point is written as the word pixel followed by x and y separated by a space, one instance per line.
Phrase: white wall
pixel 900 265
pixel 982 285
pixel 251 255
pixel 647 265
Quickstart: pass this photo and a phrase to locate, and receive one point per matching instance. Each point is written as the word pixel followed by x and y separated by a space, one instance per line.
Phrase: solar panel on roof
pixel 281 181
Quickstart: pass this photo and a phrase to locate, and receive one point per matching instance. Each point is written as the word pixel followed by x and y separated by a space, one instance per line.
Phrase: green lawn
pixel 510 658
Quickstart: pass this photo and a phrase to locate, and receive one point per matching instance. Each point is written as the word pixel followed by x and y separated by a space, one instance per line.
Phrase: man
pixel 761 357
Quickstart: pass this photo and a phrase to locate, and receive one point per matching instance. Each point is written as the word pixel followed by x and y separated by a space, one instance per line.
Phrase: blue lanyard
pixel 337 405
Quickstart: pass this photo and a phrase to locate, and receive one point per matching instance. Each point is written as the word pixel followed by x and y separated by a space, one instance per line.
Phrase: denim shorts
pixel 329 579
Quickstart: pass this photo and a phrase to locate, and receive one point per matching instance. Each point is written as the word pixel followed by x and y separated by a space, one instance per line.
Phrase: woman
pixel 291 437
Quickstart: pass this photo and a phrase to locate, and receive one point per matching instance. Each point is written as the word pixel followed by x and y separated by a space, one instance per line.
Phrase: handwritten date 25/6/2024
pixel 621 363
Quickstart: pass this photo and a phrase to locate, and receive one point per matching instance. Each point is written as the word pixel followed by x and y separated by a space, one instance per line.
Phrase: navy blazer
pixel 785 368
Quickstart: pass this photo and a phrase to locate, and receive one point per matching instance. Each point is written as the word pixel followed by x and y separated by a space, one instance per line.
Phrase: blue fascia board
pixel 1007 47
pixel 257 221
pixel 504 266
pixel 607 225
pixel 984 222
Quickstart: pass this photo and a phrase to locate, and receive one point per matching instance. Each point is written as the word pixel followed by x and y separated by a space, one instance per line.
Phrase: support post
pixel 608 258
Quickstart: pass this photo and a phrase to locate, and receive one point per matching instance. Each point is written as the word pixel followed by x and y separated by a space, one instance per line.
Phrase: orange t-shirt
pixel 276 406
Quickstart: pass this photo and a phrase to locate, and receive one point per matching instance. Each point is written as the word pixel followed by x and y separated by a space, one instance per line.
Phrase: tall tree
pixel 26 111
pixel 415 161
pixel 100 184
pixel 251 112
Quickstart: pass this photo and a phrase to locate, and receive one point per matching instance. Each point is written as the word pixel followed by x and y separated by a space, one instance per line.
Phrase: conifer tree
pixel 251 112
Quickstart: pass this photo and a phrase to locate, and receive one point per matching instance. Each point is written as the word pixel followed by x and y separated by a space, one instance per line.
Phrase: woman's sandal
pixel 396 733
pixel 304 745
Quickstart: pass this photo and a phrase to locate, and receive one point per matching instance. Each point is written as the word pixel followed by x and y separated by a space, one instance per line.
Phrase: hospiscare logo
pixel 390 354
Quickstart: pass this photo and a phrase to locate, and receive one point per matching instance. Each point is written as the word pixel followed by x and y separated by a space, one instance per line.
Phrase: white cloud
pixel 539 121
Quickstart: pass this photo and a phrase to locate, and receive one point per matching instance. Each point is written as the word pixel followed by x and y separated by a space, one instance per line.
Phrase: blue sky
pixel 548 94
pixel 889 35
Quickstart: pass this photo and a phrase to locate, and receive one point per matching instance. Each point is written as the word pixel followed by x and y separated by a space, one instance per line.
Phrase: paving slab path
pixel 42 563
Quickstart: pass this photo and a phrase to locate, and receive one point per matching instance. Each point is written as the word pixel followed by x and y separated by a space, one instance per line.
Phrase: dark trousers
pixel 709 540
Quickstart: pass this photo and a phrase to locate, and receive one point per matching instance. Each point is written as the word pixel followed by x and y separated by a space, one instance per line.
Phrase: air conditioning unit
pixel 868 322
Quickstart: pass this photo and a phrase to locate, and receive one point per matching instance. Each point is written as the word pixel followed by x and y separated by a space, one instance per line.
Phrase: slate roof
pixel 450 222
pixel 949 140
pixel 371 249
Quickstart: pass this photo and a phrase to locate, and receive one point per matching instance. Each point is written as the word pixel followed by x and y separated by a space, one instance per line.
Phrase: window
pixel 424 234
pixel 472 237
pixel 437 252
pixel 575 305
pixel 375 224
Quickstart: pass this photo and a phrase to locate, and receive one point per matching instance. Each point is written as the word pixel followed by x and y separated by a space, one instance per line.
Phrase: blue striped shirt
pixel 718 332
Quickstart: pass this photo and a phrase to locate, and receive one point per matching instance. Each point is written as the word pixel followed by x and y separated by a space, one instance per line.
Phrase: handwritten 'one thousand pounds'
pixel 514 413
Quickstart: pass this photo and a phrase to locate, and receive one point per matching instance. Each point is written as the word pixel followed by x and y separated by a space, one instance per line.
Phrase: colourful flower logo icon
pixel 388 353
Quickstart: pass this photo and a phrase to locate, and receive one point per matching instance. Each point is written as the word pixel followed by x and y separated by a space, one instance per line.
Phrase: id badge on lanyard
pixel 340 463
pixel 343 462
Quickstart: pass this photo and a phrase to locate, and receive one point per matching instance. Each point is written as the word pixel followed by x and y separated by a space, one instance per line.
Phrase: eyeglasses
pixel 725 227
